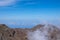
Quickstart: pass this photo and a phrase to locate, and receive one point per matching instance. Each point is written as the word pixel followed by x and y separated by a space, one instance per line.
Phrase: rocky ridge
pixel 7 33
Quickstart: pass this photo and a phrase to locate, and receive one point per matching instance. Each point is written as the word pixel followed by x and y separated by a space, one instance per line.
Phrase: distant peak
pixel 3 27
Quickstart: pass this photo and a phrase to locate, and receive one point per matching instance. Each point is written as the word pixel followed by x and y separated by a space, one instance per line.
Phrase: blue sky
pixel 29 12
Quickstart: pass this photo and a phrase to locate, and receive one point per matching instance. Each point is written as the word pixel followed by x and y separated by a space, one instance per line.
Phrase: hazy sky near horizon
pixel 29 10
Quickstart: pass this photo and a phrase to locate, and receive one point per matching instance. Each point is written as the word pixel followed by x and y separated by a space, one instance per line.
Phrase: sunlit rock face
pixel 39 32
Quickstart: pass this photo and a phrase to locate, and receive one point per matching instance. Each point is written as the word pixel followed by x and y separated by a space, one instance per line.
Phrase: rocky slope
pixel 7 33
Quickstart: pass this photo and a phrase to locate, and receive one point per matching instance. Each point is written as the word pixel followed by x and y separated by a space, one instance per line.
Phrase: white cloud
pixel 37 35
pixel 43 33
pixel 11 2
pixel 7 2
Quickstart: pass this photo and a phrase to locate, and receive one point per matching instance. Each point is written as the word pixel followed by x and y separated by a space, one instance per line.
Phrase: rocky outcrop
pixel 12 34
pixel 7 33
